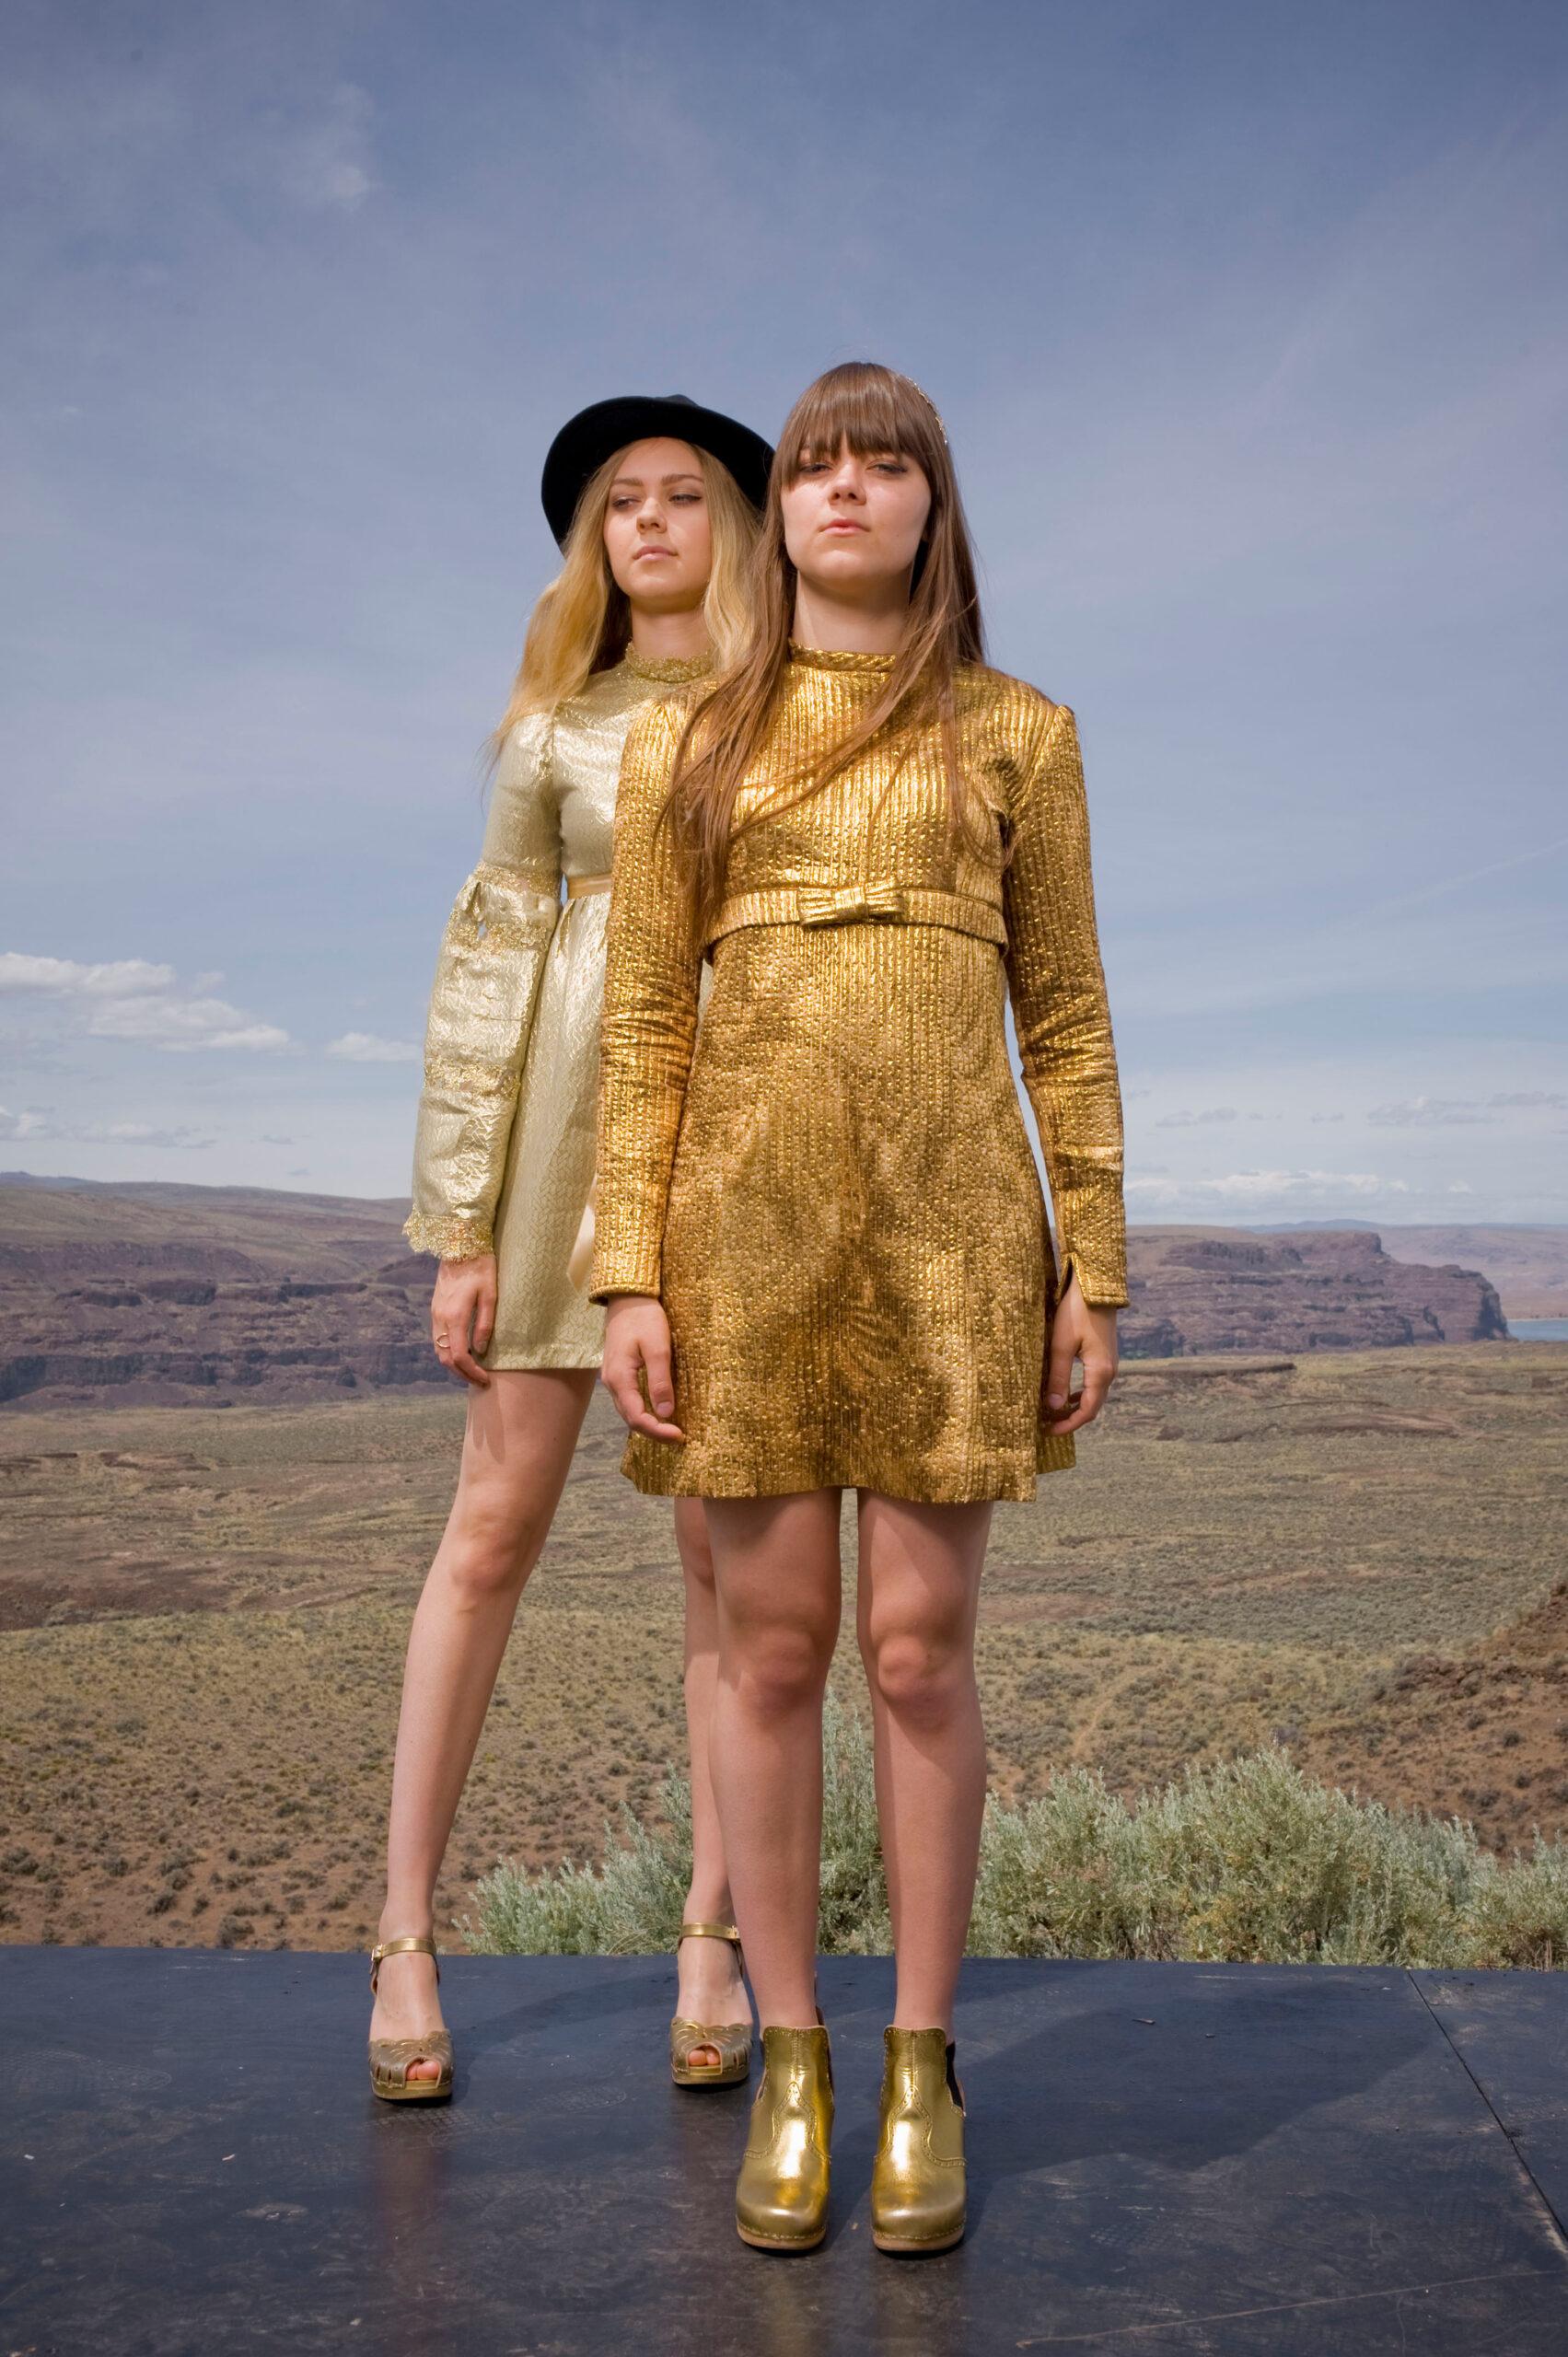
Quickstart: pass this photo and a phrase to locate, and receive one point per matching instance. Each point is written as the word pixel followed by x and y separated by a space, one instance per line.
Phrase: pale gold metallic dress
pixel 504 1155
pixel 831 1186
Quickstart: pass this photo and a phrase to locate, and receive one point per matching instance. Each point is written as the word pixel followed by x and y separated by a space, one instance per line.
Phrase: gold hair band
pixel 930 404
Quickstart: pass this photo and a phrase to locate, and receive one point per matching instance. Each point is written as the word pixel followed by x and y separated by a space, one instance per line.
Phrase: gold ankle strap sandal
pixel 391 2057
pixel 730 2041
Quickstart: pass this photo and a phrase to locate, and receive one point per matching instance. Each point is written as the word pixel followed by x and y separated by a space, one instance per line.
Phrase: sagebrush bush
pixel 630 1906
pixel 1247 1862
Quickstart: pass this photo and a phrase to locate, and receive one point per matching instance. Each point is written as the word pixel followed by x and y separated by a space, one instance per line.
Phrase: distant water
pixel 1539 1329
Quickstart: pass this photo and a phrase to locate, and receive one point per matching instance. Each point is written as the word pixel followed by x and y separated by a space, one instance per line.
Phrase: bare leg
pixel 920 1569
pixel 776 1564
pixel 709 1987
pixel 518 1451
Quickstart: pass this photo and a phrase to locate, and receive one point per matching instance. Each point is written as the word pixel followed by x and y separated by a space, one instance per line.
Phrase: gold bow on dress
pixel 842 904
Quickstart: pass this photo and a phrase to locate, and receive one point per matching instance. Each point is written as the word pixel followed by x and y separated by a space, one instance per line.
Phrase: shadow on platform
pixel 1166 2161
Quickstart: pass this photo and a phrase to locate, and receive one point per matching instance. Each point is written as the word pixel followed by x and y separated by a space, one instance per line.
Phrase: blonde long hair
pixel 872 408
pixel 582 621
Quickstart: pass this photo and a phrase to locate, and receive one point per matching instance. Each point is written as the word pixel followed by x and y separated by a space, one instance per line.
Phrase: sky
pixel 1247 325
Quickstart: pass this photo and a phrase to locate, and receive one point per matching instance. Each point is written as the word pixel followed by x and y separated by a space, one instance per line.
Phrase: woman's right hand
pixel 636 1340
pixel 463 1315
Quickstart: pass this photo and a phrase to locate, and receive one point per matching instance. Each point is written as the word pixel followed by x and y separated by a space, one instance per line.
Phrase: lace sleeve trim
pixel 449 1235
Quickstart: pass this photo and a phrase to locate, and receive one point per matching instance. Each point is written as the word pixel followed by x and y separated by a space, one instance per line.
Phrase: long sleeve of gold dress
pixel 504 1150
pixel 830 1184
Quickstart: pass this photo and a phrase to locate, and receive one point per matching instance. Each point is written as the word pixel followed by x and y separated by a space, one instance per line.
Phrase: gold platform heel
pixel 391 2057
pixel 917 2179
pixel 733 2039
pixel 780 2197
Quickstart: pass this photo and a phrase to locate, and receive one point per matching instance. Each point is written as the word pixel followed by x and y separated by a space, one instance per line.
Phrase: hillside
pixel 1481 1733
pixel 67 1228
pixel 151 1296
pixel 158 1295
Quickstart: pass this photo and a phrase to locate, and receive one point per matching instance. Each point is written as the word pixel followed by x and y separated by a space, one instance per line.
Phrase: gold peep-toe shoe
pixel 733 2039
pixel 391 2057
pixel 780 2196
pixel 917 2179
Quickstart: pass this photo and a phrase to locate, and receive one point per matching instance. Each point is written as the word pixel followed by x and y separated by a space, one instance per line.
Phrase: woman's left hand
pixel 1089 1336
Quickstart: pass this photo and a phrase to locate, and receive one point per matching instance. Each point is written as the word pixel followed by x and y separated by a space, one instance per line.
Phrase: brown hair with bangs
pixel 874 410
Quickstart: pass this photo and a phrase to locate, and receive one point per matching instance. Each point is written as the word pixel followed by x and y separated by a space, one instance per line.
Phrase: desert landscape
pixel 1354 1552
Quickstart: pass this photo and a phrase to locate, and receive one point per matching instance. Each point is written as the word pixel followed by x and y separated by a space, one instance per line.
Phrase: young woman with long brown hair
pixel 654 504
pixel 821 1232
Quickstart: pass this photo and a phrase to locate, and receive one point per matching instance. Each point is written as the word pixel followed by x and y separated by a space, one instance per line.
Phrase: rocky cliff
pixel 160 1340
pixel 1200 1289
pixel 1527 1265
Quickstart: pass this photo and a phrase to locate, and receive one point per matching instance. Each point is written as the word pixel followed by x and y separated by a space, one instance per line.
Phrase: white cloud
pixel 132 999
pixel 1185 1121
pixel 180 1025
pixel 41 1125
pixel 183 1138
pixel 124 977
pixel 365 1048
pixel 1428 1113
pixel 1540 1100
pixel 1253 1189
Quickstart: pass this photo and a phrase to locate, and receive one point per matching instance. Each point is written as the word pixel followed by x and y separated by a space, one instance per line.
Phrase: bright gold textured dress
pixel 831 1188
pixel 504 1154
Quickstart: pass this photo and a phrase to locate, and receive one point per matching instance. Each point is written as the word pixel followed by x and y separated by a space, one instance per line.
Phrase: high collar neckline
pixel 670 668
pixel 835 658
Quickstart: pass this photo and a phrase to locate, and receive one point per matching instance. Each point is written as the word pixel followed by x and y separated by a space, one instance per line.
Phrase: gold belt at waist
pixel 814 904
pixel 577 885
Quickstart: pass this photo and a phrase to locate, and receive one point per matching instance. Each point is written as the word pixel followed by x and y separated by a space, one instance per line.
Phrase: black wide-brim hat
pixel 596 434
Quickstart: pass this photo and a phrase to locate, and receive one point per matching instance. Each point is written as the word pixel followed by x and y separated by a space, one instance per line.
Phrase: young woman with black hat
pixel 821 1232
pixel 654 504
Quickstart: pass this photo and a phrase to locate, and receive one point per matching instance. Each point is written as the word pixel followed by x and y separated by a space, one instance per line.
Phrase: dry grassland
pixel 203 1617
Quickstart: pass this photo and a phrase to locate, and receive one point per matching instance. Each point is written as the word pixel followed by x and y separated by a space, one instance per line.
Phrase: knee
pixel 922 1676
pixel 778 1671
pixel 490 1548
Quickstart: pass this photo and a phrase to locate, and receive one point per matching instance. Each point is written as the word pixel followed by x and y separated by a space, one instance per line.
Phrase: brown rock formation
pixel 1201 1289
pixel 1527 1265
pixel 154 1295
pixel 156 1342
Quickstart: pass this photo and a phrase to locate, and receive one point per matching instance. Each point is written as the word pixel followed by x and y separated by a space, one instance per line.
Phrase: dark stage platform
pixel 1196 2160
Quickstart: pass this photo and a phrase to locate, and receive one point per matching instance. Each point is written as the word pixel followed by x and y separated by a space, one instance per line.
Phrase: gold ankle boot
pixel 917 2180
pixel 780 2197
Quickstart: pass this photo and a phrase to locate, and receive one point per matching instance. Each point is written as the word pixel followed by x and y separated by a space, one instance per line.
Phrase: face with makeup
pixel 658 529
pixel 853 525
